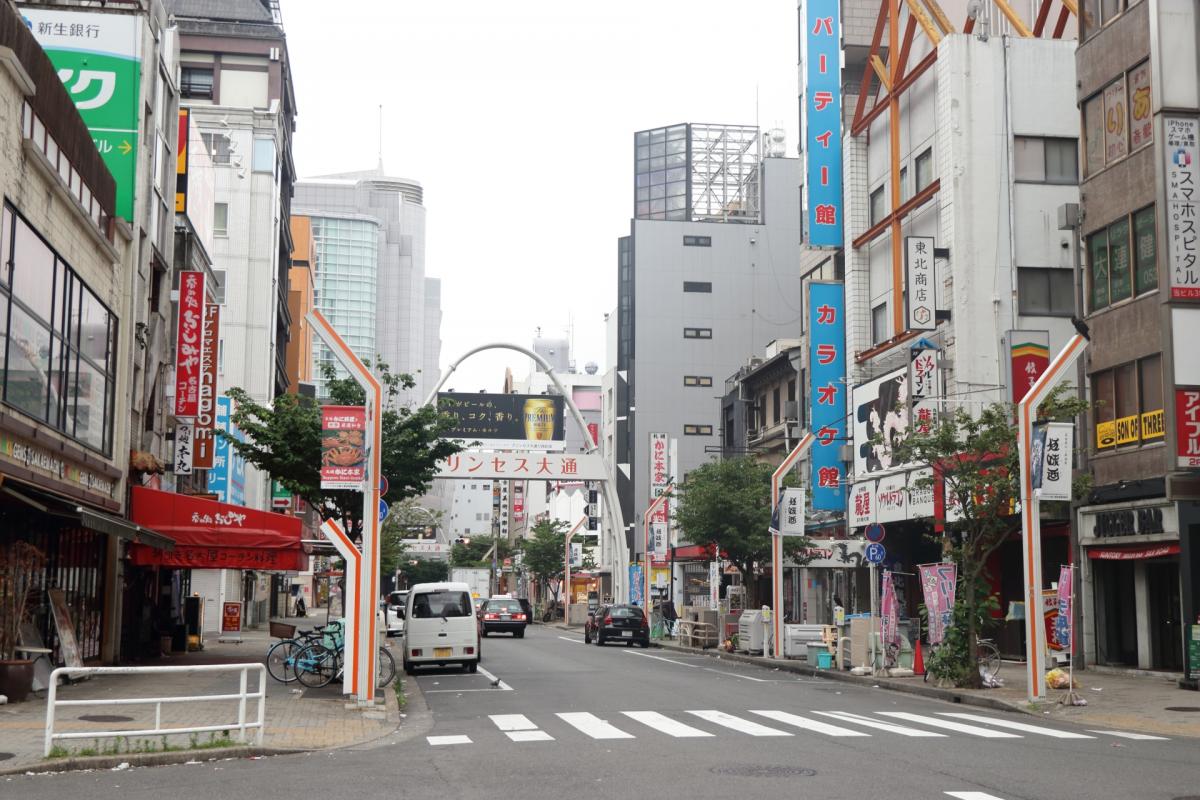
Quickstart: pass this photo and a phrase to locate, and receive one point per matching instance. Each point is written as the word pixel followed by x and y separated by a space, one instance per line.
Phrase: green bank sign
pixel 98 58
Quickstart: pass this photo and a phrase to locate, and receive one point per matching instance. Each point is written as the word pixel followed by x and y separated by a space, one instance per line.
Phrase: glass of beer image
pixel 539 419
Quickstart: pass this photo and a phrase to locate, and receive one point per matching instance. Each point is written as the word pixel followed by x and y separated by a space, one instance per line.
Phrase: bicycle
pixel 281 655
pixel 987 657
pixel 317 665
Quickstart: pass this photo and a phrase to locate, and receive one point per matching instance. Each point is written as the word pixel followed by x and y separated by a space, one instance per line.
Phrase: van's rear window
pixel 441 604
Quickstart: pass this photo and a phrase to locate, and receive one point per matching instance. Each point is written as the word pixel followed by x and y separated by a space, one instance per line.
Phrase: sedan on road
pixel 502 615
pixel 617 623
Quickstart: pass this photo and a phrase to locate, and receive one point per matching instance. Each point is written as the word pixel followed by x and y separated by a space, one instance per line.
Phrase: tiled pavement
pixel 296 718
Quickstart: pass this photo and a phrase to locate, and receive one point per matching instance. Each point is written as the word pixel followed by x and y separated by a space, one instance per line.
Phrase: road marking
pixel 1017 726
pixel 808 724
pixel 438 740
pixel 501 684
pixel 736 675
pixel 530 736
pixel 959 727
pixel 737 723
pixel 593 726
pixel 665 724
pixel 660 658
pixel 513 722
pixel 572 641
pixel 974 796
pixel 846 716
pixel 1141 737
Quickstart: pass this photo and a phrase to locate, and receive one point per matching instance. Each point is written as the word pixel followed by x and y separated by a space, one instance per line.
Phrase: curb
pixel 77 763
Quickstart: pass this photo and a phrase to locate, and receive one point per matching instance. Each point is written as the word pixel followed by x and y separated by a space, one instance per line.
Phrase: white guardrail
pixel 242 725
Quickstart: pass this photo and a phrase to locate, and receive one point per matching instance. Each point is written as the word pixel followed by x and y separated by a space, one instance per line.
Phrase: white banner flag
pixel 1056 461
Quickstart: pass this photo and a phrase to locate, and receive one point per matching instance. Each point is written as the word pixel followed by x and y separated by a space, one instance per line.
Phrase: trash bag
pixel 1059 679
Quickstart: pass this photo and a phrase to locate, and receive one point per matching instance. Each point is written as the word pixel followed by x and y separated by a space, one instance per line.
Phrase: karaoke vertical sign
pixel 822 105
pixel 827 394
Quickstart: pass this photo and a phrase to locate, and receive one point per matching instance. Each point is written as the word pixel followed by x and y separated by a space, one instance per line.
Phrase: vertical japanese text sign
pixel 918 264
pixel 188 343
pixel 660 474
pixel 822 109
pixel 1183 194
pixel 827 393
pixel 202 456
pixel 218 474
pixel 1187 427
pixel 1057 455
pixel 924 389
pixel 343 447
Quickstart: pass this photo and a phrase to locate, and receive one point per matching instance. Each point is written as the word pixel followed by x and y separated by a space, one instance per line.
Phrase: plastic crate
pixel 282 630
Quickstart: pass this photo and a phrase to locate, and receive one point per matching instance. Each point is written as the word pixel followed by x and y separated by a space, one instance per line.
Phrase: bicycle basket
pixel 281 630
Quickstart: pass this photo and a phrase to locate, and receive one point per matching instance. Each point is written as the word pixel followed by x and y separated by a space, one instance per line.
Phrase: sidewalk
pixel 296 718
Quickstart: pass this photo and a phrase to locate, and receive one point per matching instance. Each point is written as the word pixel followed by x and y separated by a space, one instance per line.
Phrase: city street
pixel 548 716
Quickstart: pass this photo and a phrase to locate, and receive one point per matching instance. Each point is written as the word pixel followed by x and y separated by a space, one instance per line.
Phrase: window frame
pixel 1063 311
pixel 877 197
pixel 697 380
pixel 186 87
pixel 697 241
pixel 876 338
pixel 925 157
pixel 698 287
pixel 697 333
pixel 696 429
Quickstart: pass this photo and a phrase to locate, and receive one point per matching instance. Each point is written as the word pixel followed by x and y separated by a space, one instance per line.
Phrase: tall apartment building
pixel 706 277
pixel 1139 531
pixel 369 230
pixel 236 81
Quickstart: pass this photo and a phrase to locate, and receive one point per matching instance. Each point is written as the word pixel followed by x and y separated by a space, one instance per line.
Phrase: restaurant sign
pixel 43 462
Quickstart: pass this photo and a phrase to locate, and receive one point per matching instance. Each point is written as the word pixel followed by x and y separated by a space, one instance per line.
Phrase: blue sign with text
pixel 822 108
pixel 827 393
pixel 227 478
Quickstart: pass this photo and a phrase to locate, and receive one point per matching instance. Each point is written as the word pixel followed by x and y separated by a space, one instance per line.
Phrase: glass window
pixel 697 241
pixel 1045 292
pixel 431 605
pixel 32 271
pixel 905 194
pixel 220 219
pixel 27 383
pixel 1029 159
pixel 1093 134
pixel 219 286
pixel 196 83
pixel 1120 275
pixel 264 155
pixel 1150 383
pixel 697 430
pixel 878 205
pixel 1126 395
pixel 924 169
pixel 5 240
pixel 697 286
pixel 1102 397
pixel 1145 251
pixel 1062 161
pixel 879 323
pixel 1097 251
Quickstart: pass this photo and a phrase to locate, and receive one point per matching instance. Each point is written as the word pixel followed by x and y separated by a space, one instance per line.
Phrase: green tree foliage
pixel 728 503
pixel 544 552
pixel 283 439
pixel 405 520
pixel 477 553
pixel 977 457
pixel 423 570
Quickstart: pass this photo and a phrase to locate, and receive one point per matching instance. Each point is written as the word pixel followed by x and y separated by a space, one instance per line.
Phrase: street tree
pixel 422 570
pixel 727 503
pixel 544 552
pixel 478 551
pixel 977 458
pixel 406 520
pixel 283 439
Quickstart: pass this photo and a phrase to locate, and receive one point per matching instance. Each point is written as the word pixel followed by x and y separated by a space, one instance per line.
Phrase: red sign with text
pixel 1187 427
pixel 189 342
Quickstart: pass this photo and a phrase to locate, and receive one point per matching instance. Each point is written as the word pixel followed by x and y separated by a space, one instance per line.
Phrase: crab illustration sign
pixel 343 447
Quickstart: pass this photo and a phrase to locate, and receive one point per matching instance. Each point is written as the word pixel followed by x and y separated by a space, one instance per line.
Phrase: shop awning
pixel 1132 553
pixel 212 535
pixel 124 529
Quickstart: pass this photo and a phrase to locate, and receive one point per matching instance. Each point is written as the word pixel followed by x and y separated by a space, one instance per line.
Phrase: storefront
pixel 827 573
pixel 1132 585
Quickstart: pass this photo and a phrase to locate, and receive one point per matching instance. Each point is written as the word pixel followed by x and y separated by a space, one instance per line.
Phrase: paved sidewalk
pixel 296 718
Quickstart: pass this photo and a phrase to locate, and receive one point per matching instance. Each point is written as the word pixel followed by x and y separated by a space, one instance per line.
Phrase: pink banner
pixel 1062 623
pixel 937 585
pixel 889 610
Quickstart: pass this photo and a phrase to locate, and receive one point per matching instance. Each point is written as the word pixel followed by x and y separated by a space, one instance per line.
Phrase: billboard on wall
pixel 880 418
pixel 1182 175
pixel 506 421
pixel 827 393
pixel 98 58
pixel 343 447
pixel 822 112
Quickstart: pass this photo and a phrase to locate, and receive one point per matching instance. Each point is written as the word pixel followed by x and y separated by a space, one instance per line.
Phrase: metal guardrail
pixel 242 696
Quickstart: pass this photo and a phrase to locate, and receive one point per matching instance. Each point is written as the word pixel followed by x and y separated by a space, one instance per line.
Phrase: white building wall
pixel 470 509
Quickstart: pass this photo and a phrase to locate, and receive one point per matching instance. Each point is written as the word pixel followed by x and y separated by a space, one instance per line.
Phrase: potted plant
pixel 20 563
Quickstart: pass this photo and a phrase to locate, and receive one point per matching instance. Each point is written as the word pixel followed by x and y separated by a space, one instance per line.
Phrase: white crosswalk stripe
pixel 737 723
pixel 513 722
pixel 593 726
pixel 1017 726
pixel 529 736
pixel 1141 737
pixel 440 740
pixel 664 724
pixel 808 724
pixel 846 716
pixel 958 727
pixel 974 796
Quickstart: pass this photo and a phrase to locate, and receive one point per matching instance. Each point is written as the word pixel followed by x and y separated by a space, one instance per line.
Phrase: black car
pixel 617 623
pixel 502 615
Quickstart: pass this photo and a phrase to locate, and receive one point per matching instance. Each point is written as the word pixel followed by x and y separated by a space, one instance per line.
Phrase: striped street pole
pixel 658 501
pixel 777 541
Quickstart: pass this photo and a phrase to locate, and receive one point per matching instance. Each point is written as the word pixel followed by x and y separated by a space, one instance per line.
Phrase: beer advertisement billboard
pixel 343 447
pixel 506 421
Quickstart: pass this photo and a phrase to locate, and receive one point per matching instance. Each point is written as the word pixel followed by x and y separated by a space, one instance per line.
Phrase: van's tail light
pixel 416 653
pixel 469 651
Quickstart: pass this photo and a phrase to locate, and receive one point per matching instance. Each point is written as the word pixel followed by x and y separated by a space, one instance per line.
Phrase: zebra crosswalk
pixel 712 723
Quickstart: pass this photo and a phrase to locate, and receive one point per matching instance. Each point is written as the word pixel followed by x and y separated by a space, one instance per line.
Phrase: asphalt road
pixel 552 717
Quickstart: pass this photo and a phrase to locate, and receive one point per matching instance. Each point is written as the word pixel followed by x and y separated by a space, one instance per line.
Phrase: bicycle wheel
pixel 280 658
pixel 315 666
pixel 989 658
pixel 385 668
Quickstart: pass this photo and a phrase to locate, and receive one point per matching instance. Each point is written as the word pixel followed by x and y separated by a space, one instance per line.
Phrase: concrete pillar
pixel 1141 596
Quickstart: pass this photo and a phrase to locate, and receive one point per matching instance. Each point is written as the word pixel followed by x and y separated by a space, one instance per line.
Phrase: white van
pixel 440 627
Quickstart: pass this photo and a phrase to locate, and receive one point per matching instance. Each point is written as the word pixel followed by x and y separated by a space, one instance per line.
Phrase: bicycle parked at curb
pixel 318 664
pixel 987 657
pixel 281 655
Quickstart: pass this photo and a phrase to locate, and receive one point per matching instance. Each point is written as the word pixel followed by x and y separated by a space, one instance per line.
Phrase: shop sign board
pixel 185 435
pixel 231 617
pixel 791 512
pixel 343 447
pixel 203 453
pixel 181 161
pixel 891 494
pixel 189 341
pixel 1141 124
pixel 227 478
pixel 54 467
pixel 1193 651
pixel 506 421
pixel 842 554
pixel 1132 553
pixel 918 266
pixel 1028 358
pixel 924 389
pixel 1187 427
pixel 1107 523
pixel 1057 455
pixel 660 474
pixel 880 418
pixel 827 393
pixel 1182 176
pixel 821 109
pixel 1116 135
pixel 920 493
pixel 862 504
pixel 523 466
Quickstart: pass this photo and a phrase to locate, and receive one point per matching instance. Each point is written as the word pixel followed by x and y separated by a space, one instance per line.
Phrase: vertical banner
pixel 189 340
pixel 218 474
pixel 181 162
pixel 1057 454
pixel 822 110
pixel 714 584
pixel 202 457
pixel 637 586
pixel 184 436
pixel 1062 622
pixel 1187 427
pixel 827 393
pixel 343 447
pixel 924 389
pixel 97 55
pixel 791 512
pixel 1029 357
pixel 660 475
pixel 1182 176
pixel 937 586
pixel 918 270
pixel 889 611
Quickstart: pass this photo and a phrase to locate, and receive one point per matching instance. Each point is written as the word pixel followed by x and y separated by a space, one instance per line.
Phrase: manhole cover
pixel 1183 708
pixel 105 718
pixel 763 771
pixel 5 756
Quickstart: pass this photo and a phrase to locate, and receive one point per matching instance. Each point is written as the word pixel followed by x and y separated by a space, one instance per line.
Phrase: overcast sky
pixel 518 120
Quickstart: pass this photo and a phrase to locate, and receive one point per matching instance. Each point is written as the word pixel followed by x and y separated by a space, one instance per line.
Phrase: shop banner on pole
pixel 343 447
pixel 938 585
pixel 714 584
pixel 189 341
pixel 1056 461
pixel 889 610
pixel 636 584
pixel 1062 622
pixel 792 512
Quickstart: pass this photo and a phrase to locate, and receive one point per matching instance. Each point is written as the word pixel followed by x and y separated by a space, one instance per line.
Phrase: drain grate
pixel 763 771
pixel 105 718
pixel 1183 708
pixel 5 756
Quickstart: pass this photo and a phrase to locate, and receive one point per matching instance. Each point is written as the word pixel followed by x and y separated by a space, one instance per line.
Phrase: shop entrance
pixel 1166 633
pixel 1116 613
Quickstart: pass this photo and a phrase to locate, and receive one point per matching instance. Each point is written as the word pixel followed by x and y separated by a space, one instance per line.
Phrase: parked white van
pixel 440 627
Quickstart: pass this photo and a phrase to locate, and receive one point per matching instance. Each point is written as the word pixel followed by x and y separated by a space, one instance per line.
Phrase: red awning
pixel 1131 553
pixel 212 535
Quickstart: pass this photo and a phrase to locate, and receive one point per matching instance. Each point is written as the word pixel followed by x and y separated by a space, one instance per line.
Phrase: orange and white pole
pixel 334 533
pixel 1031 526
pixel 658 501
pixel 777 541
pixel 566 593
pixel 364 634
